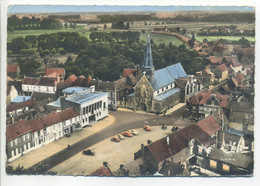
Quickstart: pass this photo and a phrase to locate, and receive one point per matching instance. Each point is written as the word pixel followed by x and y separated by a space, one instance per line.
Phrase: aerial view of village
pixel 130 92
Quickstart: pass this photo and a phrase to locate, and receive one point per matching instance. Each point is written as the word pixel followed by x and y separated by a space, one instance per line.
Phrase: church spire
pixel 148 60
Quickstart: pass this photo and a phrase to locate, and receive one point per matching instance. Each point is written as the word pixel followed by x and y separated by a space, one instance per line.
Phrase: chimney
pixel 168 140
pixel 92 89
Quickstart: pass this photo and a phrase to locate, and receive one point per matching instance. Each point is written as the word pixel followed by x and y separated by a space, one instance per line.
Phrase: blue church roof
pixel 167 94
pixel 167 75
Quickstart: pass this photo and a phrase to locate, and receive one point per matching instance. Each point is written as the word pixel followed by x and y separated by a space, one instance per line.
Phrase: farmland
pixel 229 38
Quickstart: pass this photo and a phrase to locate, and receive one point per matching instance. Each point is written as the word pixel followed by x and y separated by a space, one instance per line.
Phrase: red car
pixel 127 134
pixel 115 139
pixel 147 128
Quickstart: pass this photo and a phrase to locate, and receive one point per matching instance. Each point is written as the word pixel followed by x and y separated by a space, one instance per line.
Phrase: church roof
pixel 167 75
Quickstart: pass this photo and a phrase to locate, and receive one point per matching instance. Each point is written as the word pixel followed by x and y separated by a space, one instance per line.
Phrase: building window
pixel 162 89
pixel 14 152
pixel 104 105
pixel 19 150
pixel 213 164
pixel 83 121
pixel 11 143
pixel 47 89
pixel 167 88
pixel 157 91
pixel 70 121
pixel 84 110
pixel 99 113
pixel 225 168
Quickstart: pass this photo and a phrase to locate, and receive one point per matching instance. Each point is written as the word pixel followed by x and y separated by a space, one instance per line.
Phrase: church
pixel 157 90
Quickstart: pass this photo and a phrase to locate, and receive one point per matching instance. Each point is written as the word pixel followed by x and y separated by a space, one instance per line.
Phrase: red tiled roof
pixel 30 81
pixel 47 81
pixel 81 81
pixel 215 60
pixel 240 78
pixel 128 71
pixel 68 113
pixel 178 141
pixel 17 129
pixel 101 171
pixel 194 132
pixel 70 79
pixel 52 118
pixel 223 99
pixel 200 97
pixel 59 71
pixel 235 63
pixel 230 58
pixel 12 68
pixel 218 49
pixel 209 125
pixel 222 67
pixel 16 106
pixel 89 79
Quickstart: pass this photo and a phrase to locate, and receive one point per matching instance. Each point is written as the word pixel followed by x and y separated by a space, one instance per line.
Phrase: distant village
pixel 219 139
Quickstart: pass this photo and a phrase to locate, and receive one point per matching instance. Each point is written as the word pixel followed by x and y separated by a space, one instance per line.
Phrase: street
pixel 124 121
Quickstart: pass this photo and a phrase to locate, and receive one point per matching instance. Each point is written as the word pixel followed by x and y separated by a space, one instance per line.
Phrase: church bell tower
pixel 147 66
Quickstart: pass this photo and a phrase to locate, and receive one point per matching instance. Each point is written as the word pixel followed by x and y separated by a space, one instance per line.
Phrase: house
pixel 215 60
pixel 188 86
pixel 232 63
pixel 25 136
pixel 18 139
pixel 230 163
pixel 16 109
pixel 221 73
pixel 156 90
pixel 11 93
pixel 13 71
pixel 57 71
pixel 204 103
pixel 219 51
pixel 232 142
pixel 46 85
pixel 206 76
pixel 70 80
pixel 82 81
pixel 92 105
pixel 127 71
pixel 178 147
pixel 54 75
pixel 247 55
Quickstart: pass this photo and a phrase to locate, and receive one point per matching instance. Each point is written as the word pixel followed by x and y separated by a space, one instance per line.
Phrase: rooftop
pixel 59 71
pixel 85 96
pixel 12 68
pixel 209 125
pixel 167 94
pixel 167 76
pixel 73 90
pixel 19 99
pixel 17 129
pixel 70 79
pixel 16 106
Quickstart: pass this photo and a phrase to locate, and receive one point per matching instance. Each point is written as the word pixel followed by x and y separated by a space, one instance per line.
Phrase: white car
pixel 134 132
pixel 120 136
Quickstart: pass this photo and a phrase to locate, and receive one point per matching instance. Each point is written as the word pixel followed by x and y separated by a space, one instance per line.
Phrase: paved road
pixel 124 121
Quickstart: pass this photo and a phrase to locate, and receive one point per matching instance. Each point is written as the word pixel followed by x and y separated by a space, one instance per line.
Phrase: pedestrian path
pixel 44 152
pixel 176 107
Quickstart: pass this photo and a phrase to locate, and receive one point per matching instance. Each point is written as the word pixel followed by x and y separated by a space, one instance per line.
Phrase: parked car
pixel 88 152
pixel 174 129
pixel 127 134
pixel 115 139
pixel 120 136
pixel 134 132
pixel 147 128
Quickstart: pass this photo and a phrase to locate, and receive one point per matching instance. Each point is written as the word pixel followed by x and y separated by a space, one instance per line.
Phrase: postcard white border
pixel 70 180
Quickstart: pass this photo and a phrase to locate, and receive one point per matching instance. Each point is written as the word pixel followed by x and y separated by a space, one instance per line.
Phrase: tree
pixel 143 31
pixel 105 26
pixel 127 26
pixel 66 25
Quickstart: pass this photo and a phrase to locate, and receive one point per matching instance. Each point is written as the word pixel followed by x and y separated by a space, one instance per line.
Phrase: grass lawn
pixel 22 33
pixel 160 38
pixel 230 38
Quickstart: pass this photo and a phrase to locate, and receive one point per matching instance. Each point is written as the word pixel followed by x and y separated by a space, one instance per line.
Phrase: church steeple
pixel 148 60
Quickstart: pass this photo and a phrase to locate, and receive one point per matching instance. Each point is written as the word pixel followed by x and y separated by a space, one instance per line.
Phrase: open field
pixel 160 38
pixel 22 33
pixel 230 38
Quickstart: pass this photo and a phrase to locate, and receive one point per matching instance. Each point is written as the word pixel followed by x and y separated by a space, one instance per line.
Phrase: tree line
pixel 107 18
pixel 26 23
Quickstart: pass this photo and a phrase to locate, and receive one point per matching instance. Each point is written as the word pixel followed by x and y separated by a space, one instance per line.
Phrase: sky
pixel 68 9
